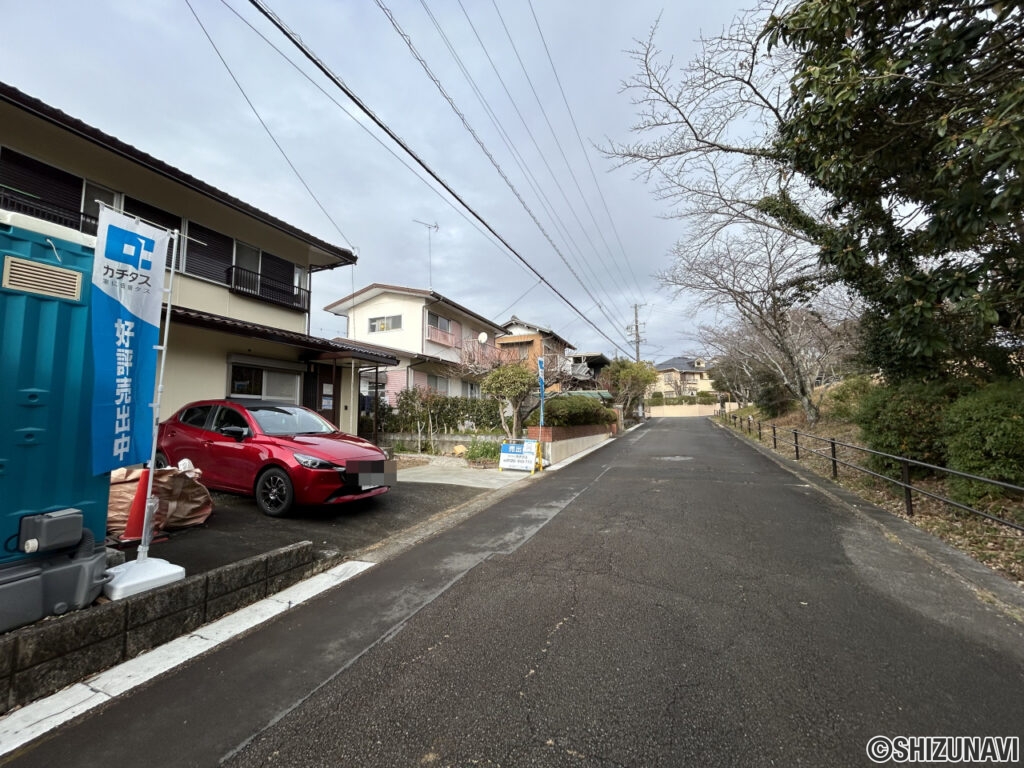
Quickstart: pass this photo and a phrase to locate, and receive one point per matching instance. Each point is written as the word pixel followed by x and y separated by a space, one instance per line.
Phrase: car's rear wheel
pixel 160 461
pixel 274 493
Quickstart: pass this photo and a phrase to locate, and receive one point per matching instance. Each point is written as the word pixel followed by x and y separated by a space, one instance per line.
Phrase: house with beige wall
pixel 681 377
pixel 241 280
pixel 440 344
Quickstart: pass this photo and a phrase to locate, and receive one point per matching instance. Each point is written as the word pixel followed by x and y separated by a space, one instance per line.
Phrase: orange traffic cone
pixel 137 511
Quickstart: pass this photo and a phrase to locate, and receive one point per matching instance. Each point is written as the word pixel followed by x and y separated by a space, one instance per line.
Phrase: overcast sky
pixel 147 73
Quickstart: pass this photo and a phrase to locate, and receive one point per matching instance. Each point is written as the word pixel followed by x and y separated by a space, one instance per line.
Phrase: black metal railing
pixel 30 205
pixel 791 438
pixel 249 283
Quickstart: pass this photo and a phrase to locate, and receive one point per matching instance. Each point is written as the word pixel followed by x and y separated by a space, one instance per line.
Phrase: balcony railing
pixel 30 205
pixel 444 338
pixel 249 283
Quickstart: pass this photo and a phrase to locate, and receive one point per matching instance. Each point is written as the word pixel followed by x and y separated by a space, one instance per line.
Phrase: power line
pixel 304 49
pixel 487 153
pixel 586 156
pixel 555 137
pixel 265 126
pixel 362 126
pixel 554 177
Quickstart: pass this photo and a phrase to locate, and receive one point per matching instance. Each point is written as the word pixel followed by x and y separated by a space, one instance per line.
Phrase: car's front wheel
pixel 274 493
pixel 160 461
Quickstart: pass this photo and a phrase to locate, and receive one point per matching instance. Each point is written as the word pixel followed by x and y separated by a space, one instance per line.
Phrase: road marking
pixel 24 725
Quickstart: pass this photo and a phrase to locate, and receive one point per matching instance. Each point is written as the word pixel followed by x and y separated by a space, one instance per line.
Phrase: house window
pixel 91 200
pixel 208 254
pixel 441 323
pixel 247 257
pixel 471 389
pixel 40 190
pixel 251 381
pixel 388 323
pixel 437 384
pixel 159 217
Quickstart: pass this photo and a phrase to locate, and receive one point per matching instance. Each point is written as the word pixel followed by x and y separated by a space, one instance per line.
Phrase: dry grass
pixel 997 546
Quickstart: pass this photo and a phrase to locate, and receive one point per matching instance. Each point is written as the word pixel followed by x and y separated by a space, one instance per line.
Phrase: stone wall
pixel 54 653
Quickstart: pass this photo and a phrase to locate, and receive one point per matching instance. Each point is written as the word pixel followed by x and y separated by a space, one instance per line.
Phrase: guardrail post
pixel 775 442
pixel 759 431
pixel 796 444
pixel 907 495
pixel 835 466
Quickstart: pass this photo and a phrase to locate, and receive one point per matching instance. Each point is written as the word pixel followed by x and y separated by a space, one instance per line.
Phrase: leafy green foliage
pixel 628 381
pixel 984 433
pixel 573 411
pixel 447 414
pixel 909 116
pixel 771 396
pixel 480 450
pixel 511 384
pixel 844 399
pixel 907 420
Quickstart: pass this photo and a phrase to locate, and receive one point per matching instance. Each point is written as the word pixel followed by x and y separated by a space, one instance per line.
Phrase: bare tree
pixel 706 147
pixel 476 360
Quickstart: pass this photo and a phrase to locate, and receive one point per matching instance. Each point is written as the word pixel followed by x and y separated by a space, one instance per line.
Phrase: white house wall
pixel 408 338
pixel 193 293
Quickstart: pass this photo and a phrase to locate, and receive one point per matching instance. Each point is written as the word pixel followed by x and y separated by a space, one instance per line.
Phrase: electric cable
pixel 326 71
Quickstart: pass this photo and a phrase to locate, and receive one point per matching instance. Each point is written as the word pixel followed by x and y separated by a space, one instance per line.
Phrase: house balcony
pixel 443 338
pixel 249 283
pixel 30 205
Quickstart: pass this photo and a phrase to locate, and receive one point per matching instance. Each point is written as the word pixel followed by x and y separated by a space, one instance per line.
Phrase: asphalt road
pixel 676 598
pixel 237 529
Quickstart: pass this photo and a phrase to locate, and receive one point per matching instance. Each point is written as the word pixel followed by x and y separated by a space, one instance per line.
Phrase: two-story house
pixel 440 344
pixel 682 376
pixel 241 280
pixel 529 343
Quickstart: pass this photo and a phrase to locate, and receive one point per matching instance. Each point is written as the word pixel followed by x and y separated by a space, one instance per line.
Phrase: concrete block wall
pixel 54 653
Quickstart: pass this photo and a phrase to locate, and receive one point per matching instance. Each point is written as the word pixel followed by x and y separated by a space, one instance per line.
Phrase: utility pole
pixel 635 329
pixel 430 275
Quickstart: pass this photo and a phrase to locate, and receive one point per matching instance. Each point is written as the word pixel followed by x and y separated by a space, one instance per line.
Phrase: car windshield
pixel 289 420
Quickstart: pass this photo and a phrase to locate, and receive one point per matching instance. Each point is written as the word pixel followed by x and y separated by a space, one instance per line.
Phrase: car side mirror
pixel 239 433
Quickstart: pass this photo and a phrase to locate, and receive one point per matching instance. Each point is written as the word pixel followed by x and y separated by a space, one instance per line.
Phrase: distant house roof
pixel 373 290
pixel 330 256
pixel 323 348
pixel 681 364
pixel 536 329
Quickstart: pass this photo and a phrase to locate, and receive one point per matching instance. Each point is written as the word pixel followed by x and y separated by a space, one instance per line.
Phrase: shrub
pixel 845 397
pixel 771 396
pixel 483 449
pixel 907 420
pixel 572 411
pixel 984 434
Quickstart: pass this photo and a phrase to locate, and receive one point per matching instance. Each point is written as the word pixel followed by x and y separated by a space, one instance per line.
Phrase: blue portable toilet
pixel 53 511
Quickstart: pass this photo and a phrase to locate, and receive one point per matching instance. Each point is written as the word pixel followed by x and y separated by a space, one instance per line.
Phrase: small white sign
pixel 521 456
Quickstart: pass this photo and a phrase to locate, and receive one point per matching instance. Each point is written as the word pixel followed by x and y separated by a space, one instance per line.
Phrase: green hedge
pixel 984 433
pixel 447 414
pixel 907 420
pixel 572 411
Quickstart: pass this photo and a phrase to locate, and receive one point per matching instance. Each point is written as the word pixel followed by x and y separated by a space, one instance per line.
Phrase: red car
pixel 281 454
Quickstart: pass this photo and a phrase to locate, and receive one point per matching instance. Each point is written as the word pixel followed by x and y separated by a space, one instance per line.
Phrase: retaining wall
pixel 559 443
pixel 54 653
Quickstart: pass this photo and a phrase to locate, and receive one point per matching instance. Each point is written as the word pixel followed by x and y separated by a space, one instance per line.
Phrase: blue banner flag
pixel 127 293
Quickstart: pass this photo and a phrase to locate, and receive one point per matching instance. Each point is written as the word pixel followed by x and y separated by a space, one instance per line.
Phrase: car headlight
pixel 312 462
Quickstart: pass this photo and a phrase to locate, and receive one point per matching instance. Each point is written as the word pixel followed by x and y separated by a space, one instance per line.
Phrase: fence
pixel 905 464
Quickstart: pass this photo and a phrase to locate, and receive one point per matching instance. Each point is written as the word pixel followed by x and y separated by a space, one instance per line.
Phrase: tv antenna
pixel 430 276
